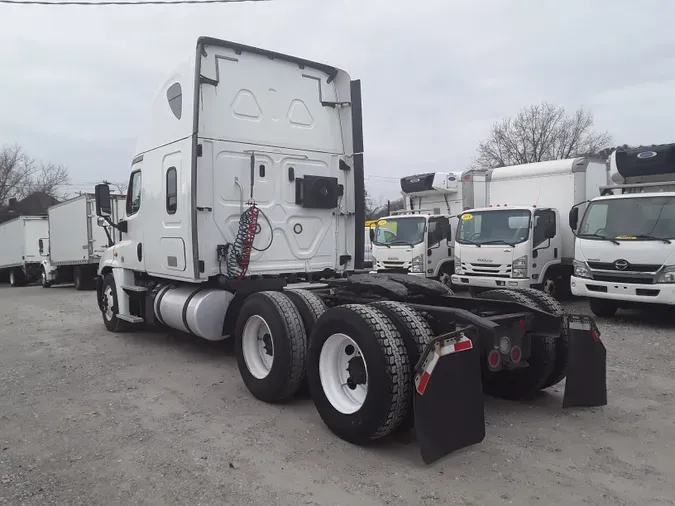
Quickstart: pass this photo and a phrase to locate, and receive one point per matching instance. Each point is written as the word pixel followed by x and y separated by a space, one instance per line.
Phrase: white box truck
pixel 19 249
pixel 77 241
pixel 419 239
pixel 244 222
pixel 519 240
pixel 625 244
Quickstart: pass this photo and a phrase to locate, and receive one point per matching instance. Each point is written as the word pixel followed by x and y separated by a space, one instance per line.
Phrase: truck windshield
pixel 400 231
pixel 638 218
pixel 508 226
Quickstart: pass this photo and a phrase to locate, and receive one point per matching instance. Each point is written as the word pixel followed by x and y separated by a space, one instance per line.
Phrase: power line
pixel 91 3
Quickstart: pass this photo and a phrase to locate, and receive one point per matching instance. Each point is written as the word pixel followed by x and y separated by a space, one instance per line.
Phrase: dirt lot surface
pixel 89 417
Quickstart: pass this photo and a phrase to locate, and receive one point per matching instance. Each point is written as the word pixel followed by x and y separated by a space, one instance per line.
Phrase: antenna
pixel 536 204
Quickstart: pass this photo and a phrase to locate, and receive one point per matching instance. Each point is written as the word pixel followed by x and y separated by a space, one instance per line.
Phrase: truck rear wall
pixel 74 234
pixel 11 243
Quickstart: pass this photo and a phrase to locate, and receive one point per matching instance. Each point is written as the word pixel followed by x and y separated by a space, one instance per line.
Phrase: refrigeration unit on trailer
pixel 19 251
pixel 625 254
pixel 77 241
pixel 519 239
pixel 419 239
pixel 244 220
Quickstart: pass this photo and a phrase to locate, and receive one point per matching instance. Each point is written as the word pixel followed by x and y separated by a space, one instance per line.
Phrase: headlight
pixel 667 275
pixel 417 264
pixel 581 270
pixel 519 267
pixel 458 266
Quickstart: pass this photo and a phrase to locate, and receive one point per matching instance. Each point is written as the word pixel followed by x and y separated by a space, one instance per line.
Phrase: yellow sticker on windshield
pixel 467 216
pixel 382 222
pixel 626 237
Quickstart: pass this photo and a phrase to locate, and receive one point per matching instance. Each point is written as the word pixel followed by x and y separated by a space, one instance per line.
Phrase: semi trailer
pixel 76 241
pixel 243 221
pixel 19 249
pixel 625 255
pixel 521 237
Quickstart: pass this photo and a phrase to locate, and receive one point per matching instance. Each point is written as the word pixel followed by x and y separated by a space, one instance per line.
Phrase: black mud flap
pixel 448 396
pixel 586 383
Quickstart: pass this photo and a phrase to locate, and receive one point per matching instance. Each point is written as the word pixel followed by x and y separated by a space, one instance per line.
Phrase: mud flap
pixel 448 396
pixel 586 383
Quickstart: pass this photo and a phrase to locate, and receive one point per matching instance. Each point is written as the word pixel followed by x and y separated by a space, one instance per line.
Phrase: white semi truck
pixel 19 249
pixel 244 215
pixel 625 249
pixel 419 239
pixel 519 240
pixel 76 241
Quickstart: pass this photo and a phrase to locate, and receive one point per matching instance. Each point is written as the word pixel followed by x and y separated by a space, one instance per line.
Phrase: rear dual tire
pixel 358 363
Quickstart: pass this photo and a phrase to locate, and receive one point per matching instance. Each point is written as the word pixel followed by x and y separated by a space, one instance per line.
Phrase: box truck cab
pixel 519 239
pixel 625 244
pixel 419 240
pixel 414 242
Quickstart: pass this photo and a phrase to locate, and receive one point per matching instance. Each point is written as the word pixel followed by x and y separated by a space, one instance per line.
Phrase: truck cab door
pixel 546 242
pixel 130 249
pixel 438 244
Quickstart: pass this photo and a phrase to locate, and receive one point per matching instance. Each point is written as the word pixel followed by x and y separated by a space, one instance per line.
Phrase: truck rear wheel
pixel 17 277
pixel 110 306
pixel 359 373
pixel 550 305
pixel 525 382
pixel 310 305
pixel 270 345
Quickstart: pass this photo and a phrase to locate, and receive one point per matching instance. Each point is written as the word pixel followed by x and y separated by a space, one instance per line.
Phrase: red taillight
pixel 494 359
pixel 516 355
pixel 522 323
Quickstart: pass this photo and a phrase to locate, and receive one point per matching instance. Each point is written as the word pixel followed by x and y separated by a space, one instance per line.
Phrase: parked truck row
pixel 65 246
pixel 243 221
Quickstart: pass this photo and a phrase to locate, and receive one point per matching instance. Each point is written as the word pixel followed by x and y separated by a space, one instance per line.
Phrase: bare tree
pixel 120 187
pixel 21 175
pixel 16 171
pixel 540 133
pixel 50 179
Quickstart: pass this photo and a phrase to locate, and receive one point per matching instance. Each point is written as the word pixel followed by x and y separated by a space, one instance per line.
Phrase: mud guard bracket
pixel 586 383
pixel 448 395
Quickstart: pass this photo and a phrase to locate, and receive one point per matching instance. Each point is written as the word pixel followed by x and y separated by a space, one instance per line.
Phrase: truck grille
pixel 493 270
pixel 630 268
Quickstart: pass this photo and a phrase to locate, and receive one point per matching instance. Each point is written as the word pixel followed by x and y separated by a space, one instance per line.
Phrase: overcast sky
pixel 75 82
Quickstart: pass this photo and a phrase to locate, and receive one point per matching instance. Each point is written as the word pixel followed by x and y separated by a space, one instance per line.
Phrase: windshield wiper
pixel 497 241
pixel 381 244
pixel 603 237
pixel 652 238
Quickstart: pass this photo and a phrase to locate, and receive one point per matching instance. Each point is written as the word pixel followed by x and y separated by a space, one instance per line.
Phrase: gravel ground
pixel 89 417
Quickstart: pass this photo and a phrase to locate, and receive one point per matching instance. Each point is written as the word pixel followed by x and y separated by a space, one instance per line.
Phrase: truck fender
pixel 446 262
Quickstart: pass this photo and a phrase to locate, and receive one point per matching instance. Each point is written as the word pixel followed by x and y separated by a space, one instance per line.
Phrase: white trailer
pixel 419 239
pixel 19 249
pixel 625 244
pixel 519 240
pixel 245 207
pixel 77 241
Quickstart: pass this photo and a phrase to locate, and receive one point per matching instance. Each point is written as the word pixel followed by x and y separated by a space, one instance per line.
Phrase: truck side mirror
pixel 102 196
pixel 372 234
pixel 574 218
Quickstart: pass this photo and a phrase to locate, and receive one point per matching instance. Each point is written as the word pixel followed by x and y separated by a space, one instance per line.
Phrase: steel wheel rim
pixel 109 302
pixel 257 347
pixel 336 353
